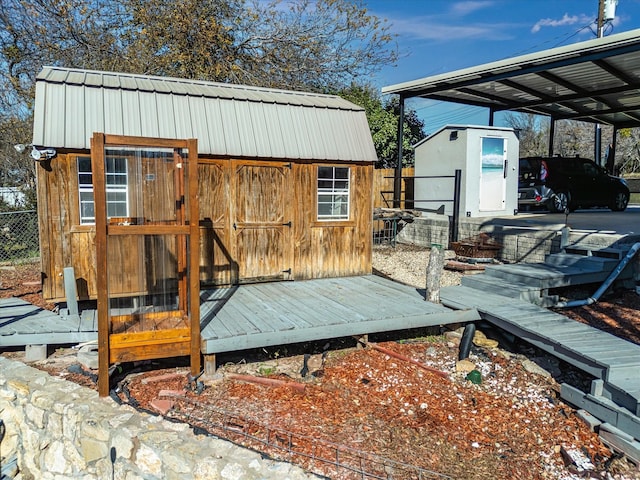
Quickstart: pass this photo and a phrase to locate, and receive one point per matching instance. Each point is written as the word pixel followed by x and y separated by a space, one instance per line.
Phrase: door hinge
pixel 288 270
pixel 288 224
pixel 288 165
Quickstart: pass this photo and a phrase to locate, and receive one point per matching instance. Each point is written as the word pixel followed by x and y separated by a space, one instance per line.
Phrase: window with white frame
pixel 116 189
pixel 333 193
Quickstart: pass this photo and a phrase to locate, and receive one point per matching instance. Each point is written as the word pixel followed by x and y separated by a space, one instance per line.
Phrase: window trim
pixel 110 188
pixel 333 220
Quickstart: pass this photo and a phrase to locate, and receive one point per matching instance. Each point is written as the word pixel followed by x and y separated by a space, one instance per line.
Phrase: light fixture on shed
pixel 37 155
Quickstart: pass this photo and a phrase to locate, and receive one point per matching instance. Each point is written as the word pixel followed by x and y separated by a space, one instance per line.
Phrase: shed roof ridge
pixel 45 74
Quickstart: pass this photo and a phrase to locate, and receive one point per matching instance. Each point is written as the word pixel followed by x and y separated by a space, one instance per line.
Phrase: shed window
pixel 333 193
pixel 116 188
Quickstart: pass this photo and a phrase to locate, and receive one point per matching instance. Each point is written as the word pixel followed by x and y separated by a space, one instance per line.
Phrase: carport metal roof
pixel 594 81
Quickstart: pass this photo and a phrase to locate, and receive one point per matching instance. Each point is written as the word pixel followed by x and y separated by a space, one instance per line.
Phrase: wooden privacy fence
pixel 383 188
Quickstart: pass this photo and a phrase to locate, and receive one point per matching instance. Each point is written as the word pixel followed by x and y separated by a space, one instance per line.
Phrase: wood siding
pixel 383 179
pixel 258 198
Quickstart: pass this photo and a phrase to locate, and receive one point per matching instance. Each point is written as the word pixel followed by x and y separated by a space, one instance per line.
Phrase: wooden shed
pixel 284 178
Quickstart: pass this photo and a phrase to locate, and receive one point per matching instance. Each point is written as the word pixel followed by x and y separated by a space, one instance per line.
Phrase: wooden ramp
pixel 279 313
pixel 614 397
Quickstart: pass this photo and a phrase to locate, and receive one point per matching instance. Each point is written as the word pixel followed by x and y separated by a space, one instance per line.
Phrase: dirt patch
pixel 361 413
pixel 617 313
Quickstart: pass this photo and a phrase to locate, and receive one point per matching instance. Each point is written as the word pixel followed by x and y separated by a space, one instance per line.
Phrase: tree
pixel 296 44
pixel 316 44
pixel 533 133
pixel 575 138
pixel 17 170
pixel 383 122
pixel 33 33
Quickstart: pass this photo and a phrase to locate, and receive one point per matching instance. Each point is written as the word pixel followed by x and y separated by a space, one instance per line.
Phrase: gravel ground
pixel 408 264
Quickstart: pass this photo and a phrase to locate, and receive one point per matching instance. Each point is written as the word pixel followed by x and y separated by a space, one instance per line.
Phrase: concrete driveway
pixel 601 221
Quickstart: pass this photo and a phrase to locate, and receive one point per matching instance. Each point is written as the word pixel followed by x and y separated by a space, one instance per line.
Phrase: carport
pixel 595 81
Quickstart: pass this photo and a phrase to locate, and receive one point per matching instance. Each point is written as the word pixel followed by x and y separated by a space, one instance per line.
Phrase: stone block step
pixel 544 276
pixel 594 251
pixel 516 290
pixel 581 261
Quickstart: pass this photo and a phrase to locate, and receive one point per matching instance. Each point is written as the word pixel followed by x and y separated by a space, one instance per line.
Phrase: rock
pixel 550 364
pixel 481 340
pixel 162 405
pixel 534 368
pixel 454 335
pixel 35 353
pixel 573 456
pixel 88 356
pixel 465 366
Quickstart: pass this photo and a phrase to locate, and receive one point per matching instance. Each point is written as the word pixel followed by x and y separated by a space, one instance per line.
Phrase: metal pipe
pixel 457 189
pixel 607 283
pixel 397 183
pixel 552 133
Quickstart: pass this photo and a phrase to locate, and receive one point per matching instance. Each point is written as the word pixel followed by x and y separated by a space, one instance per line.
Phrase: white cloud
pixel 562 22
pixel 429 28
pixel 467 7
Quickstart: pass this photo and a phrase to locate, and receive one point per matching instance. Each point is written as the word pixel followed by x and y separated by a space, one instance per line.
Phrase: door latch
pixel 288 224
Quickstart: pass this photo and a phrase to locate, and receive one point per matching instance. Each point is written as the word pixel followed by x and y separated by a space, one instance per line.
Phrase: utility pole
pixel 597 133
pixel 600 20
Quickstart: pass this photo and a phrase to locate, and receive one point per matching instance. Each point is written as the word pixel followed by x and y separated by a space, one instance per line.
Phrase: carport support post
pixel 397 181
pixel 611 153
pixel 552 133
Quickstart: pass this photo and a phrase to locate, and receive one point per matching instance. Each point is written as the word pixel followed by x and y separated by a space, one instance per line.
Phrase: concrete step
pixel 517 290
pixel 595 251
pixel 581 261
pixel 543 276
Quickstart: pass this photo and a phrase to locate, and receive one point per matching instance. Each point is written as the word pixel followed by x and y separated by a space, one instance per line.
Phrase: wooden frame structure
pixel 164 319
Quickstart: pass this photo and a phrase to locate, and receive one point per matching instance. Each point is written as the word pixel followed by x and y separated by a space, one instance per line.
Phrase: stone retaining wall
pixel 60 430
pixel 518 244
pixel 427 230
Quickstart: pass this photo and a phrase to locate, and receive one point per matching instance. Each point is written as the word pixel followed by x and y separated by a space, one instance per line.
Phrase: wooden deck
pixel 268 314
pixel 259 315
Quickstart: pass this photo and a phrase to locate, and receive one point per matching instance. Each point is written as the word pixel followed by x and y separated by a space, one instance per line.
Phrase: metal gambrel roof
pixel 227 120
pixel 594 81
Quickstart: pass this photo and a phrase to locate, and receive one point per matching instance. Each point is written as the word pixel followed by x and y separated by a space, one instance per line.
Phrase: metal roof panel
pixel 226 119
pixel 606 67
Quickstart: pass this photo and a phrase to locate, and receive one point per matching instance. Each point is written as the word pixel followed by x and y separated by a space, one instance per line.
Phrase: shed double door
pixel 261 220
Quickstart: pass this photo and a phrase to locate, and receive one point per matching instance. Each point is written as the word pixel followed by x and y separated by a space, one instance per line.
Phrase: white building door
pixel 493 174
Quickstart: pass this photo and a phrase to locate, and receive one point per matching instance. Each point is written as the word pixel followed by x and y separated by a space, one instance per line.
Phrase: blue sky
pixel 438 36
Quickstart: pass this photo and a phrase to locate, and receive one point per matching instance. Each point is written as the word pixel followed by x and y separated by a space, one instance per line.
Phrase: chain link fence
pixel 19 237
